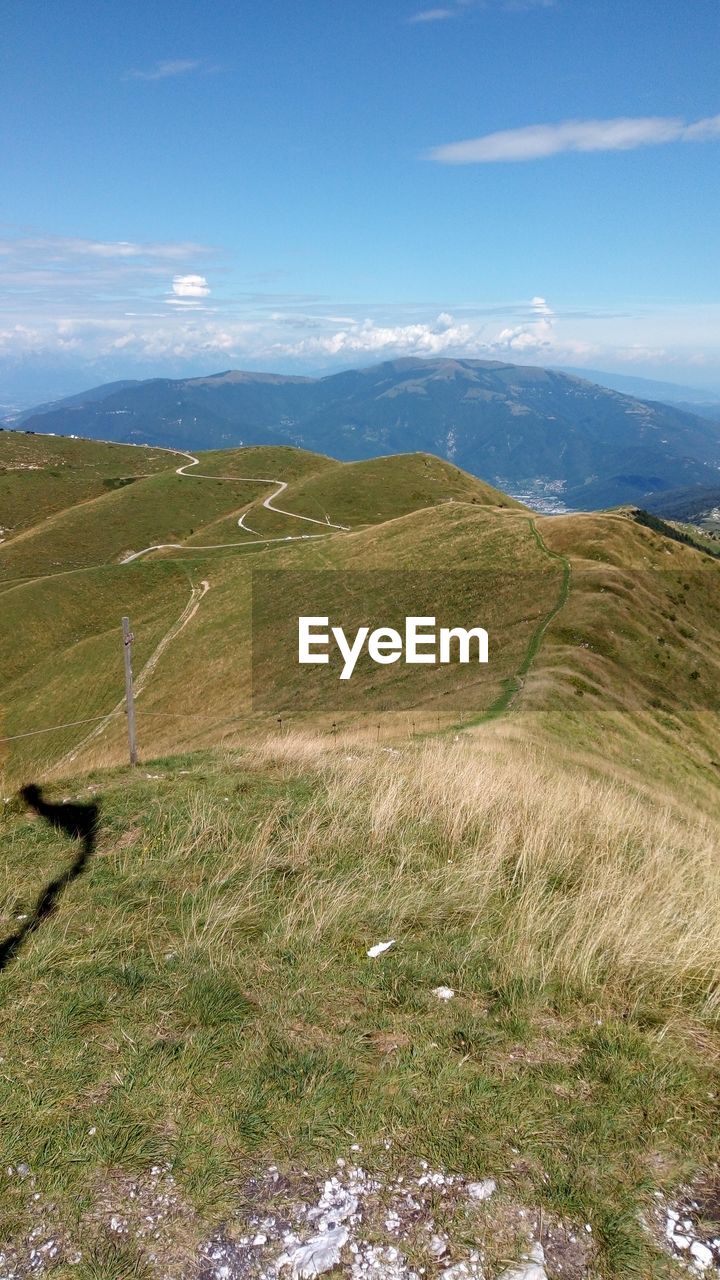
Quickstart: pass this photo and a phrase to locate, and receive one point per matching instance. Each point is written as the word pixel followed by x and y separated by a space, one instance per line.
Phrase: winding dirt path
pixel 268 502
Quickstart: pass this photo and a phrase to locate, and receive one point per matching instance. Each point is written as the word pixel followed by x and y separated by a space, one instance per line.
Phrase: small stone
pixel 443 993
pixel 531 1268
pixel 460 1271
pixel 702 1255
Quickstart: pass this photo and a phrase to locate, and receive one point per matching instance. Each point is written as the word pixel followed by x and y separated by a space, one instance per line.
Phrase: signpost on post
pixel 129 697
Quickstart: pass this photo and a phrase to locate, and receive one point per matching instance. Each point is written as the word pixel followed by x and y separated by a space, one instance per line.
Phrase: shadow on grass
pixel 79 822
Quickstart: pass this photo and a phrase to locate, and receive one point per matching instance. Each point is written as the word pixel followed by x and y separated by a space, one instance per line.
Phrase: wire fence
pixel 412 723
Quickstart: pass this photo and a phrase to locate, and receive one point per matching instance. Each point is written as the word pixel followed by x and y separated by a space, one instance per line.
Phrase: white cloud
pixel 433 15
pixel 68 248
pixel 110 328
pixel 463 6
pixel 369 338
pixel 190 286
pixel 167 68
pixel 524 338
pixel 444 336
pixel 538 141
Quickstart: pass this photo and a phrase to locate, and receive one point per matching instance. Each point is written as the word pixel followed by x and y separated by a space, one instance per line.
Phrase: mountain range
pixel 699 400
pixel 527 430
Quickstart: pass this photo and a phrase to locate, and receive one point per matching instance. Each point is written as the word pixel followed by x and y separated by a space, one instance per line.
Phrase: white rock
pixel 702 1255
pixel 319 1254
pixel 482 1190
pixel 379 947
pixel 373 1262
pixel 437 1246
pixel 681 1242
pixel 443 993
pixel 462 1271
pixel 533 1268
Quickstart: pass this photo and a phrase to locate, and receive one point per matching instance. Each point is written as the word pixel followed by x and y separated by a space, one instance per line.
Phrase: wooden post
pixel 129 696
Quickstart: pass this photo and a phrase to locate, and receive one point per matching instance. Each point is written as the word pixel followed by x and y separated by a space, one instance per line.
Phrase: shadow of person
pixel 79 822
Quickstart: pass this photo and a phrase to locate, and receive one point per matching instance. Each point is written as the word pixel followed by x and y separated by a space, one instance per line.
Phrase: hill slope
pixel 590 617
pixel 41 475
pixel 513 425
pixel 200 1042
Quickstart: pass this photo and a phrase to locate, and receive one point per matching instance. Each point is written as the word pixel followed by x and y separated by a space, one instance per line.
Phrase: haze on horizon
pixel 303 189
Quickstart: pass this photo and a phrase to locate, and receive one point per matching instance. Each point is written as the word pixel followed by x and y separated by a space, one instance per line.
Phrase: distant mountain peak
pixel 522 428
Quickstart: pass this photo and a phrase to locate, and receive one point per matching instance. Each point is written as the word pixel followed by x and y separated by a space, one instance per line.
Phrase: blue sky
pixel 290 185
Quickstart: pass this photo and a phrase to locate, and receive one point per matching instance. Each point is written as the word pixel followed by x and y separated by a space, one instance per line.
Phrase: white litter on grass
pixel 443 993
pixel 379 947
pixel 482 1190
pixel 319 1254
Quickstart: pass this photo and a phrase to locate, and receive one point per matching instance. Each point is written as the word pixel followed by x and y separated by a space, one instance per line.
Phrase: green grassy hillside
pixel 360 493
pixel 268 461
pixel 199 1035
pixel 628 675
pixel 203 687
pixel 41 475
pixel 159 508
pixel 191 1015
pixel 602 630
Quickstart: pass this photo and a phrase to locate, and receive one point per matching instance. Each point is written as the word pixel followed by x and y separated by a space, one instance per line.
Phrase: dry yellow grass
pixel 203 993
pixel 555 875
